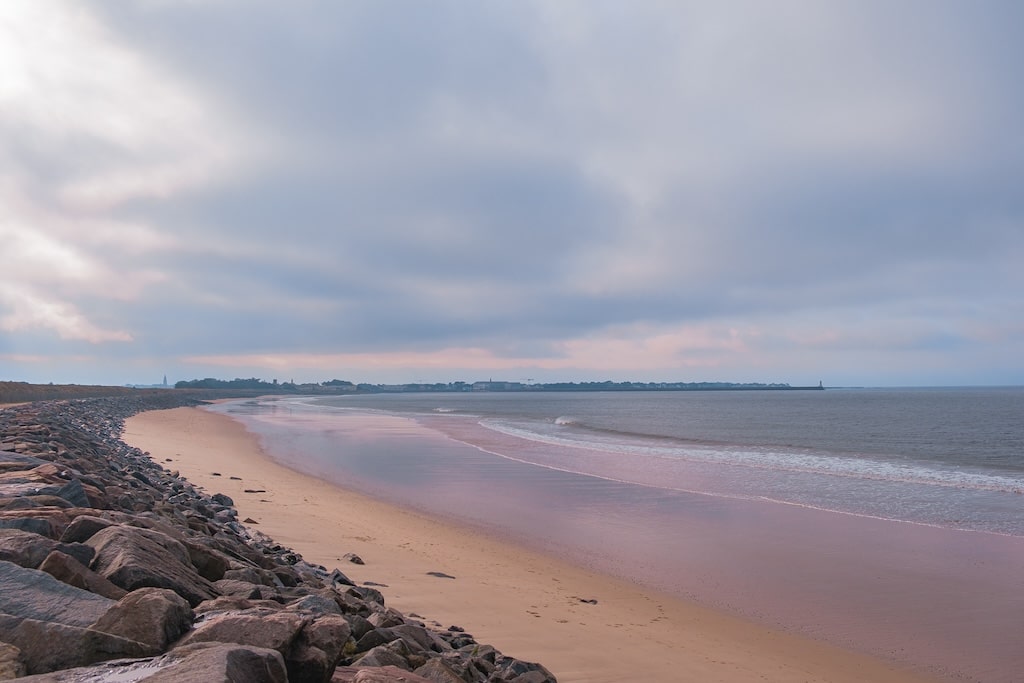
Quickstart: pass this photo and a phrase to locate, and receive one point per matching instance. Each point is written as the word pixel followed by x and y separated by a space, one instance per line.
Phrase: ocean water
pixel 887 521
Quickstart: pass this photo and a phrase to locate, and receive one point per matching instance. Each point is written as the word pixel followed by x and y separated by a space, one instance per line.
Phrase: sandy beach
pixel 528 605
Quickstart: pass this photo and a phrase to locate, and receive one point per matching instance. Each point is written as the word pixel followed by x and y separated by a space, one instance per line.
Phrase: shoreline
pixel 530 605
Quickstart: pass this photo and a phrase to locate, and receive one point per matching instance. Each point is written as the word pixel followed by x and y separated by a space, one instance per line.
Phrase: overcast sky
pixel 433 191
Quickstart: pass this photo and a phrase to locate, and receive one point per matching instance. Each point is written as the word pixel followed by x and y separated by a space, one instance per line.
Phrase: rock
pixel 328 632
pixel 353 558
pixel 155 617
pixel 437 671
pixel 48 646
pixel 255 627
pixel 440 575
pixel 205 663
pixel 242 589
pixel 222 499
pixel 316 604
pixel 137 558
pixel 35 525
pixel 67 569
pixel 11 665
pixel 83 527
pixel 32 594
pixel 210 563
pixel 518 671
pixel 221 663
pixel 28 549
pixel 383 656
pixel 385 674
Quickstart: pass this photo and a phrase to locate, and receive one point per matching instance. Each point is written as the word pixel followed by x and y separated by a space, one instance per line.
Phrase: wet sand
pixel 526 604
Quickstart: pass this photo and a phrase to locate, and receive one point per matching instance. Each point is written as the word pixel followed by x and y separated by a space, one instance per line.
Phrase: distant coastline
pixel 336 387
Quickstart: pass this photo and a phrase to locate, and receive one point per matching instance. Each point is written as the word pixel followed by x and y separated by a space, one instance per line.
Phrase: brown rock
pixel 48 646
pixel 384 674
pixel 437 671
pixel 255 627
pixel 10 662
pixel 68 570
pixel 204 663
pixel 82 528
pixel 328 632
pixel 222 663
pixel 136 558
pixel 211 564
pixel 155 617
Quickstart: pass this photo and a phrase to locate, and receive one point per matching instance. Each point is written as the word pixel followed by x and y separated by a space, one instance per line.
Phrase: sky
pixel 384 191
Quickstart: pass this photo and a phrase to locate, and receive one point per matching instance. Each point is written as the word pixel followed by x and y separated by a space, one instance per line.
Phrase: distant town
pixel 337 386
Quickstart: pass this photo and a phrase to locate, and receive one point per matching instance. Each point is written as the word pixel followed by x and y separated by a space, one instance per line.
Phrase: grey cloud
pixel 513 176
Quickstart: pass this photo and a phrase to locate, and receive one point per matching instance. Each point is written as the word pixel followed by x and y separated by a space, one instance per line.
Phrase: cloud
pixel 586 188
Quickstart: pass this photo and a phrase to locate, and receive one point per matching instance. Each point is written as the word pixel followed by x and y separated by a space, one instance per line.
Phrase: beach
pixel 583 626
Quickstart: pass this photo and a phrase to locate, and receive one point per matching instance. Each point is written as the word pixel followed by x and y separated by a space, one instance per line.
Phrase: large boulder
pixel 49 646
pixel 32 594
pixel 67 569
pixel 202 663
pixel 132 558
pixel 83 527
pixel 29 549
pixel 256 627
pixel 155 617
pixel 384 674
pixel 223 663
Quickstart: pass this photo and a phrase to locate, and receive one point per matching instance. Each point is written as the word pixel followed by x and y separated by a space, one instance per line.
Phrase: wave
pixel 766 458
pixel 566 420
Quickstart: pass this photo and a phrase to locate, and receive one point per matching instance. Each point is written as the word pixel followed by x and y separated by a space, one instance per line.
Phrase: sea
pixel 887 521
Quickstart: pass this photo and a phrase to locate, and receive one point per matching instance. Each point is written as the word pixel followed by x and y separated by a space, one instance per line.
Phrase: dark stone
pixel 34 525
pixel 338 577
pixel 222 499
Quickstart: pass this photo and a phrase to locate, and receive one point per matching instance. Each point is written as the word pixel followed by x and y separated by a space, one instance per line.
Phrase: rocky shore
pixel 113 568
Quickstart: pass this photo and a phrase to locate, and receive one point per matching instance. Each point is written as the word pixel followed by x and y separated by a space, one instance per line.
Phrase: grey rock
pixel 35 525
pixel 32 594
